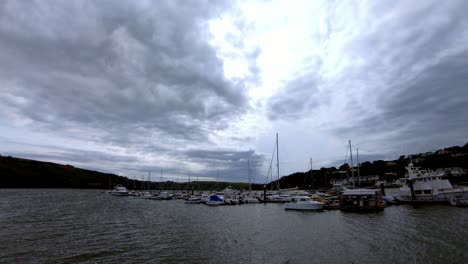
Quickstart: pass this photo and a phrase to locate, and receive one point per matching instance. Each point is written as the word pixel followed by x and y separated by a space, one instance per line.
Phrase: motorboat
pixel 215 200
pixel 425 186
pixel 458 202
pixel 250 200
pixel 119 190
pixel 164 196
pixel 193 200
pixel 278 198
pixel 303 203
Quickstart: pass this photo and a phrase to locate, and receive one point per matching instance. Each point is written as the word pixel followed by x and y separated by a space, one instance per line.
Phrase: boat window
pixel 427 191
pixel 418 192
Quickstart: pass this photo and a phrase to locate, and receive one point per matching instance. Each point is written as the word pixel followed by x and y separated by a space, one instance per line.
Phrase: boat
pixel 303 203
pixel 277 197
pixel 459 202
pixel 249 198
pixel 361 200
pixel 145 195
pixel 119 190
pixel 215 200
pixel 193 200
pixel 164 196
pixel 425 186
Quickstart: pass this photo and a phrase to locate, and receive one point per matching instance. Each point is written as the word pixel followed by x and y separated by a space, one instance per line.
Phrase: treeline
pixel 25 173
pixel 385 170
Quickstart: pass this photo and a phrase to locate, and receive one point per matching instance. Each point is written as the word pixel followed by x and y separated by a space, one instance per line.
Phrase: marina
pixel 69 226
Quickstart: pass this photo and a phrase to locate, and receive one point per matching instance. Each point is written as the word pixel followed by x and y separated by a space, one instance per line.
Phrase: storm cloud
pixel 202 87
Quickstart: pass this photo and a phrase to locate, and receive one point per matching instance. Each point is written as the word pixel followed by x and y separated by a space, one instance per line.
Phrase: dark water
pixel 71 226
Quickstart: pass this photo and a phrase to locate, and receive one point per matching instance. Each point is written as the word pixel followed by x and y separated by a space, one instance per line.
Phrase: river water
pixel 89 226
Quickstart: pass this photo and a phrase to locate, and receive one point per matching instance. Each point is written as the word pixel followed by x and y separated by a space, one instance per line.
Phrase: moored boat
pixel 303 203
pixel 193 200
pixel 119 190
pixel 424 186
pixel 459 202
pixel 361 200
pixel 215 200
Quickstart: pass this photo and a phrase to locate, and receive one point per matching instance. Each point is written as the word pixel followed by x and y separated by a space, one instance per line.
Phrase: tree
pixel 344 167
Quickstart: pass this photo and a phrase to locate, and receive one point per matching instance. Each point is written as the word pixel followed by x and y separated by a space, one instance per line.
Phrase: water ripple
pixel 85 226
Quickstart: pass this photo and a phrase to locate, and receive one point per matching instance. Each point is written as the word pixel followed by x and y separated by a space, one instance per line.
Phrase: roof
pixel 360 192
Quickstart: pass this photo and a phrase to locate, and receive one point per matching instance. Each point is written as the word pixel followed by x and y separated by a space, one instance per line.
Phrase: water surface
pixel 89 226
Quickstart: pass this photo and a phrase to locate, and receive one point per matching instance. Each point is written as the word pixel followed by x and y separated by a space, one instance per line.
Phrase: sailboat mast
pixel 248 168
pixel 277 160
pixel 162 185
pixel 358 165
pixel 352 165
pixel 148 182
pixel 311 178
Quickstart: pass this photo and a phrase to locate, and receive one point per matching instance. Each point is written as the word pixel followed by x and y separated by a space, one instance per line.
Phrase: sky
pixel 200 88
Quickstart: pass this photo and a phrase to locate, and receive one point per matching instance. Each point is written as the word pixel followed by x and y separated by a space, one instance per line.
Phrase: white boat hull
pixel 119 193
pixel 440 197
pixel 214 203
pixel 304 206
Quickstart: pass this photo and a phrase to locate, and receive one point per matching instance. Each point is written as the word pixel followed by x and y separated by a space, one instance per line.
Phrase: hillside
pixel 26 173
pixel 385 170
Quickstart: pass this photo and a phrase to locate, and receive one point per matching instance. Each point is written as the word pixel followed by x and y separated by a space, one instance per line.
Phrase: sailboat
pixel 163 195
pixel 277 197
pixel 250 199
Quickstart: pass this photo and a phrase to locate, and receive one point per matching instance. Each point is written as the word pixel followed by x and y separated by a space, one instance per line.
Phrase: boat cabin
pixel 361 200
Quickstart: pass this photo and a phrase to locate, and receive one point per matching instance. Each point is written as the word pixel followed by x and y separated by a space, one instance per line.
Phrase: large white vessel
pixel 303 203
pixel 119 190
pixel 427 186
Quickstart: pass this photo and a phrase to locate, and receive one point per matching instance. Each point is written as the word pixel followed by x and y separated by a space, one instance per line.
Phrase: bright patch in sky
pixel 199 88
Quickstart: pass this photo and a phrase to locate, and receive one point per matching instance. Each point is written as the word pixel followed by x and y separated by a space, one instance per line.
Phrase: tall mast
pixel 148 182
pixel 311 179
pixel 248 168
pixel 358 165
pixel 217 176
pixel 352 170
pixel 162 185
pixel 277 160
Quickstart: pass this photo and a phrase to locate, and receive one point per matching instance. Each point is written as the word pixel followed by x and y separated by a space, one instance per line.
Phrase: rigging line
pixel 271 163
pixel 346 155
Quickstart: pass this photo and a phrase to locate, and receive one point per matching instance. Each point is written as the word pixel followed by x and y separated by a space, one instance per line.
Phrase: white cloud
pixel 193 87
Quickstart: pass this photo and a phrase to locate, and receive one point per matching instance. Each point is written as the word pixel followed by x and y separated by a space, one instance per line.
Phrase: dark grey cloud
pixel 295 98
pixel 132 75
pixel 117 66
pixel 230 164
